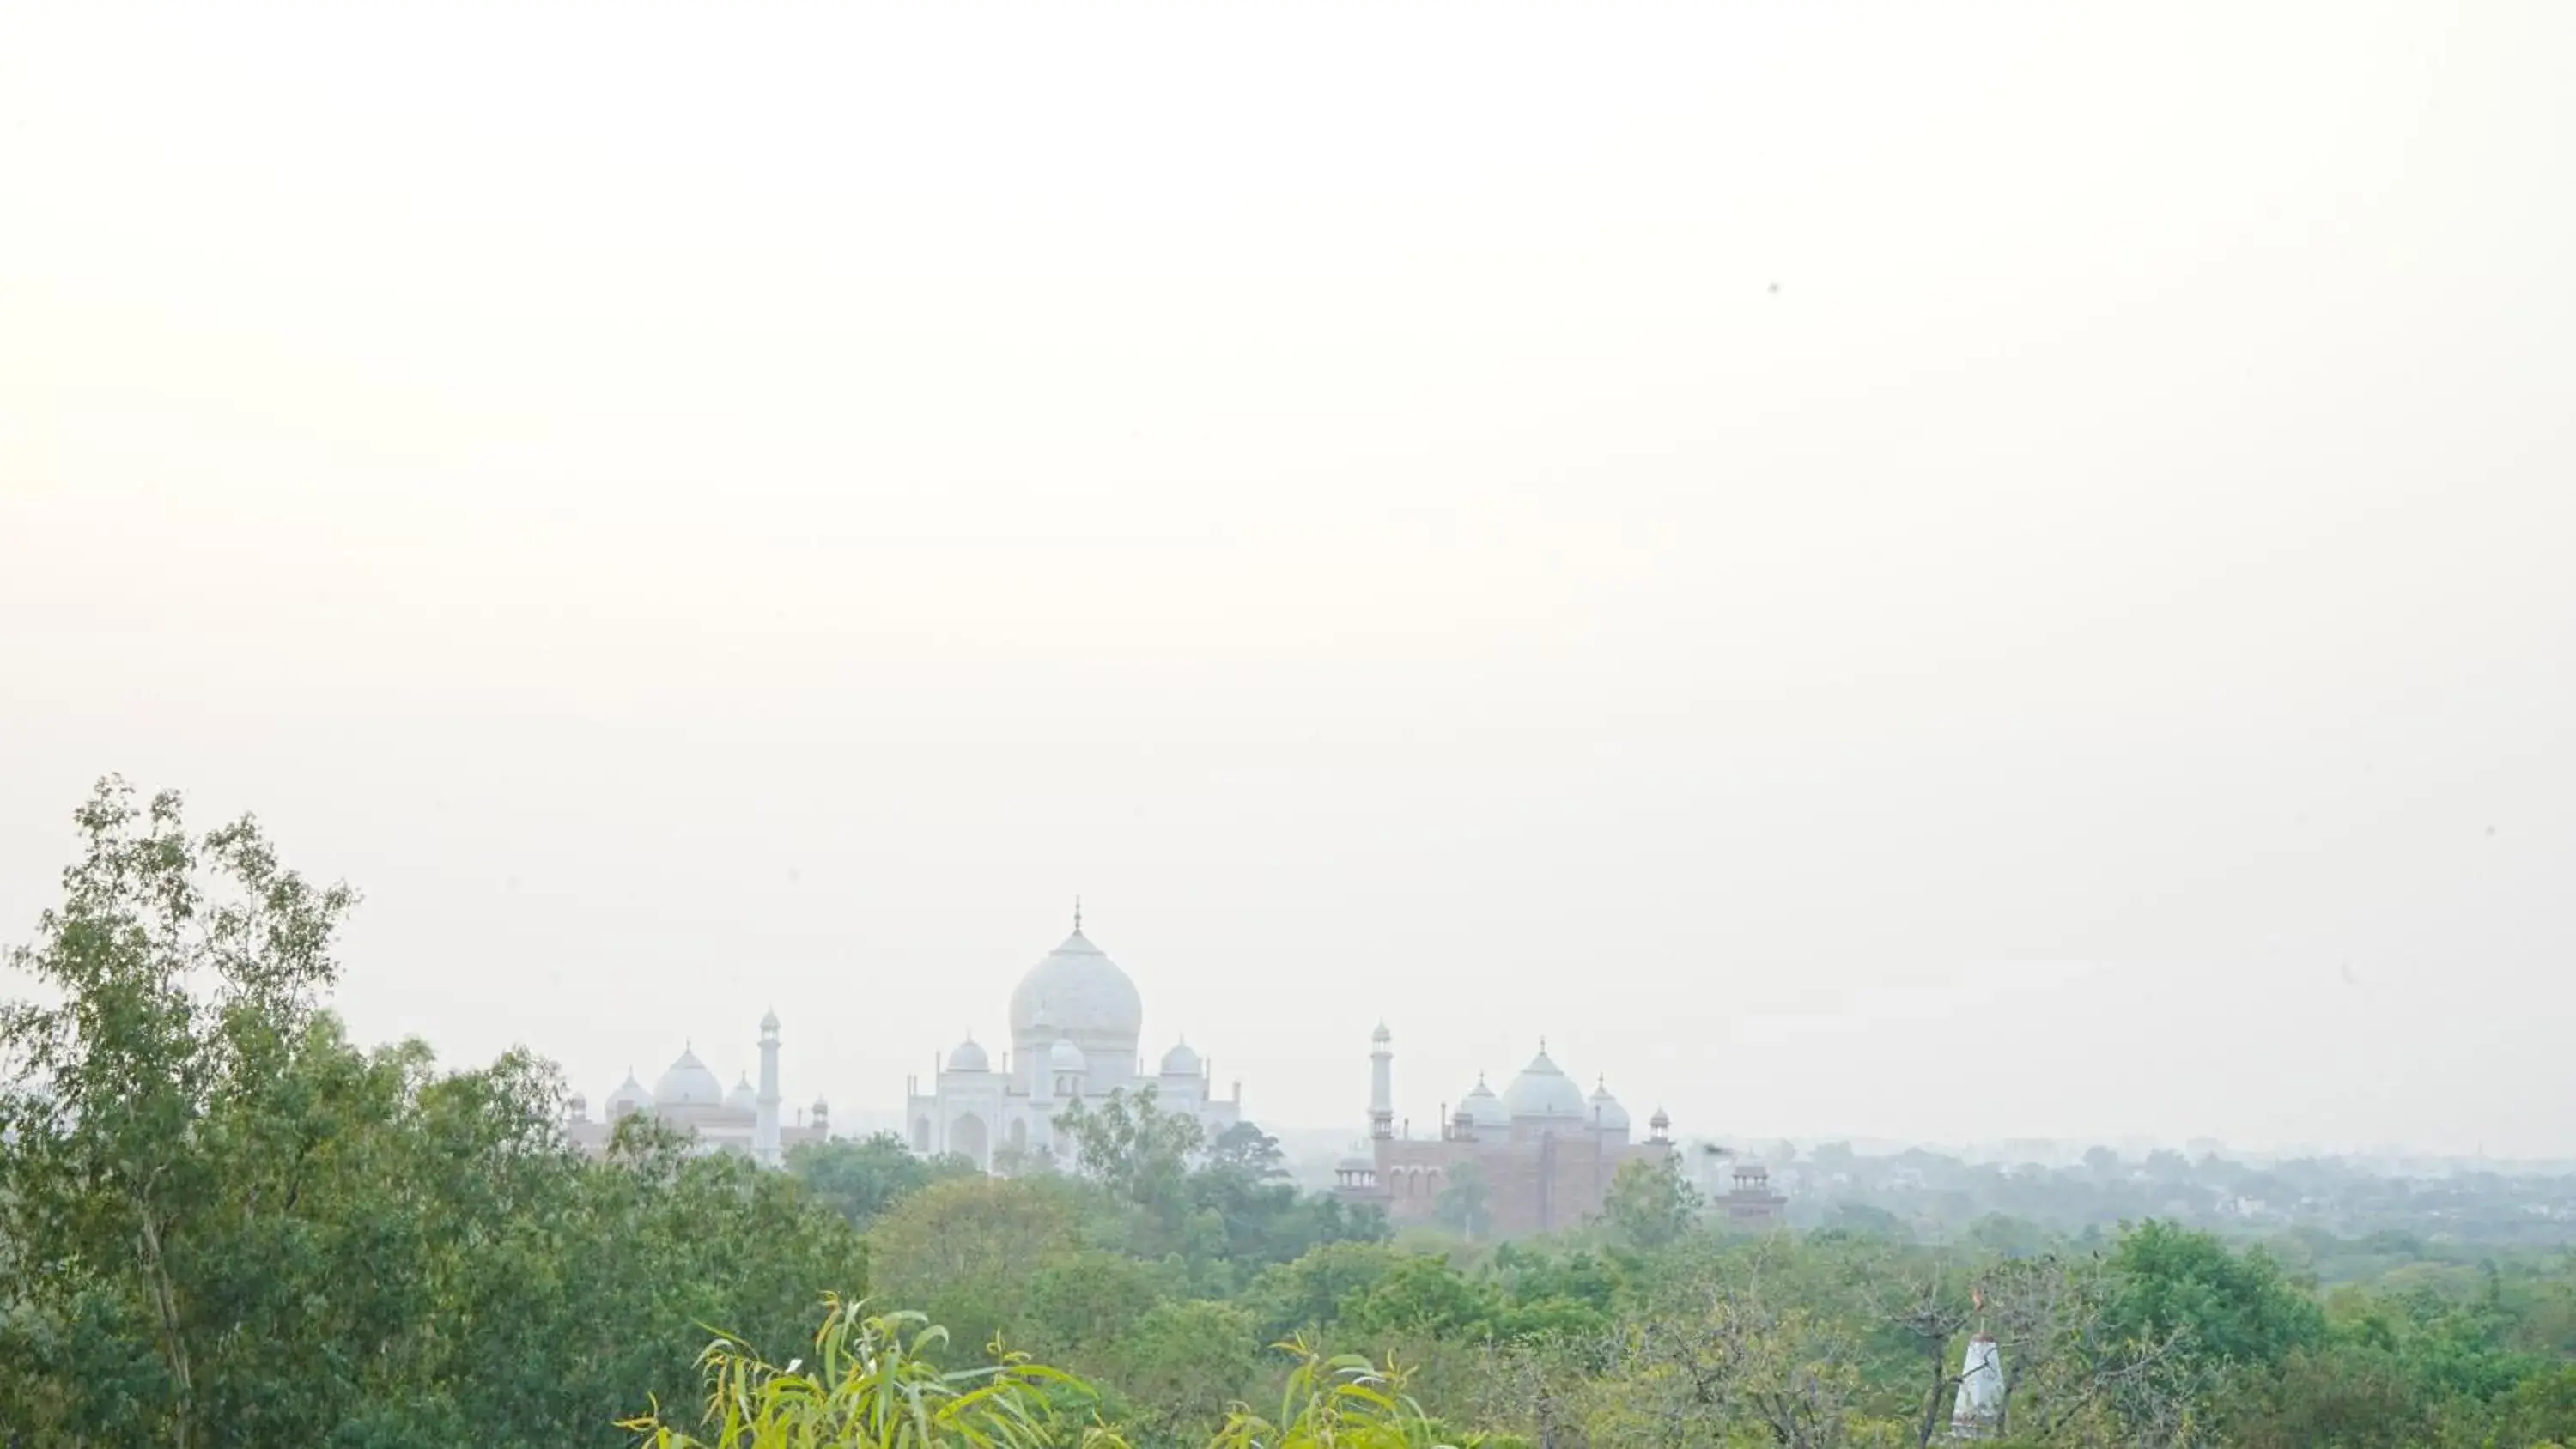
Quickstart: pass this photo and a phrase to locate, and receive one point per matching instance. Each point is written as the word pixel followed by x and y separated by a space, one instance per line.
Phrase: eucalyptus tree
pixel 180 976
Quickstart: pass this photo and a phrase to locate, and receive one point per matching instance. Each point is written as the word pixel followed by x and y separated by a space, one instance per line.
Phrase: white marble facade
pixel 1075 1022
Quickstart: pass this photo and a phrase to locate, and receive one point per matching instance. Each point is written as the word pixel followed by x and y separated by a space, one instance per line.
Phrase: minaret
pixel 1381 1083
pixel 764 1118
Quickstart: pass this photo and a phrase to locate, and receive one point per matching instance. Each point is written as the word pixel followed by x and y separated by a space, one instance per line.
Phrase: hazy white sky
pixel 693 508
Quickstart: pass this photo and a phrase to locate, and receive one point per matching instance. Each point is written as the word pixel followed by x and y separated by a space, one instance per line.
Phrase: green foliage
pixel 1134 1148
pixel 1650 1205
pixel 223 1224
pixel 1345 1402
pixel 1178 1359
pixel 2231 1307
pixel 864 1178
pixel 872 1382
pixel 970 1250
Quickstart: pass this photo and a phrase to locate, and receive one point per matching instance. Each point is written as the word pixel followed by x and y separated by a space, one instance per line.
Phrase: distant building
pixel 1544 1152
pixel 1075 1022
pixel 1750 1200
pixel 689 1098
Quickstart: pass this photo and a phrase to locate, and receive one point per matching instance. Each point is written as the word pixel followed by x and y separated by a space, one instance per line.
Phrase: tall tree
pixel 1131 1146
pixel 186 968
pixel 1650 1204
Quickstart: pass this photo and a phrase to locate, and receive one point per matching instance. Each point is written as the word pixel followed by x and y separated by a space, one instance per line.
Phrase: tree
pixel 1650 1205
pixel 188 966
pixel 2233 1307
pixel 223 1224
pixel 1466 1205
pixel 970 1249
pixel 873 1382
pixel 1178 1358
pixel 1246 1153
pixel 1131 1146
pixel 864 1178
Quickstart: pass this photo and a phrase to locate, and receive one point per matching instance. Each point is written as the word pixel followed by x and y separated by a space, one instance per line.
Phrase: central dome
pixel 1078 993
pixel 688 1083
pixel 1543 1091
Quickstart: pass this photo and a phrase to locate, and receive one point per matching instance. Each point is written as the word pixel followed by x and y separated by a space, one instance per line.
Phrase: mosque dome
pixel 1484 1109
pixel 969 1057
pixel 688 1083
pixel 1180 1061
pixel 1080 993
pixel 630 1096
pixel 1606 1113
pixel 1660 1120
pixel 1355 1161
pixel 1543 1091
pixel 742 1098
pixel 1066 1059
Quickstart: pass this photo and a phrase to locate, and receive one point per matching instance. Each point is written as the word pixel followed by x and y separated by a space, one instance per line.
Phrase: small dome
pixel 1355 1161
pixel 1543 1091
pixel 969 1057
pixel 742 1098
pixel 1381 1036
pixel 1066 1059
pixel 1607 1114
pixel 1483 1108
pixel 769 1023
pixel 688 1083
pixel 822 1109
pixel 1659 1121
pixel 1180 1061
pixel 579 1104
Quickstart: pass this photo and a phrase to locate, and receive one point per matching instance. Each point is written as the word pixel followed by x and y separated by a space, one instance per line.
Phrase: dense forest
pixel 222 1223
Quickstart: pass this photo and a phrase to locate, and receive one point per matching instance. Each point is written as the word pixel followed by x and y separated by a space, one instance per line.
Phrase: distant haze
pixel 1932 571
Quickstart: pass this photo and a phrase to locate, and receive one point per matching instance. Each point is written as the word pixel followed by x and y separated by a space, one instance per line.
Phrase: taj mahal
pixel 1075 1023
pixel 1542 1154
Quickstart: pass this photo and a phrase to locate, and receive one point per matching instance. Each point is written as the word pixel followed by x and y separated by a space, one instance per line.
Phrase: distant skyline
pixel 1948 573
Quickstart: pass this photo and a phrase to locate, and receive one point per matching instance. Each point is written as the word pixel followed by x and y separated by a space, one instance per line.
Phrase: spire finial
pixel 1077 913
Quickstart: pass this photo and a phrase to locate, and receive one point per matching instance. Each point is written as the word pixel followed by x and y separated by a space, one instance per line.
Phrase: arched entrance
pixel 966 1138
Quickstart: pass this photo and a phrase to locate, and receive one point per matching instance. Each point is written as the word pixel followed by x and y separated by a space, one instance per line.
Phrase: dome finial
pixel 1077 914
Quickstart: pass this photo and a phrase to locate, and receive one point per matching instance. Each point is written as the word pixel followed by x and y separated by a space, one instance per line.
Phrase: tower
pixel 1381 1083
pixel 764 1118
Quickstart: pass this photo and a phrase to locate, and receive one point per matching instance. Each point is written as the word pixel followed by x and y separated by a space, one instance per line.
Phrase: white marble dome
pixel 1180 1061
pixel 688 1083
pixel 742 1098
pixel 969 1057
pixel 630 1096
pixel 1484 1109
pixel 1078 992
pixel 1543 1091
